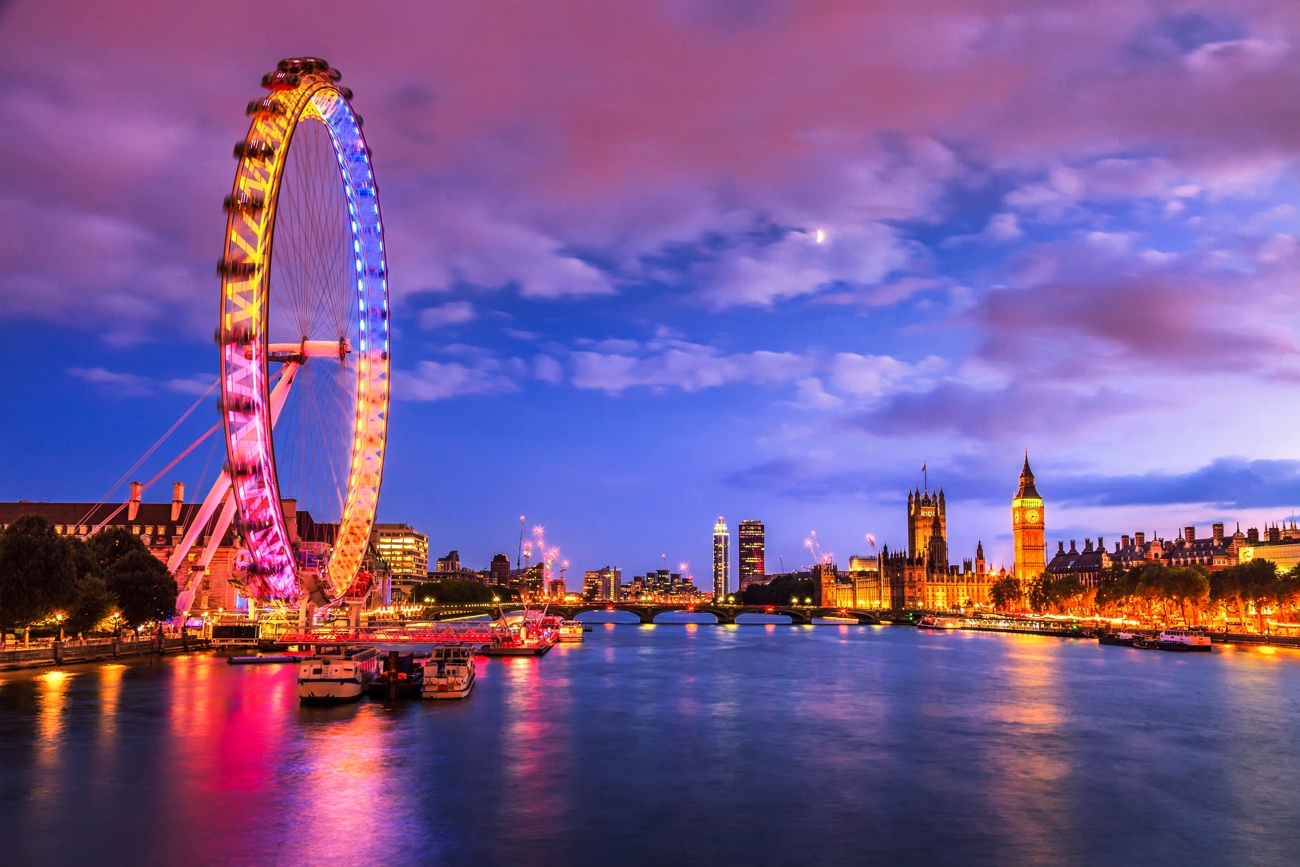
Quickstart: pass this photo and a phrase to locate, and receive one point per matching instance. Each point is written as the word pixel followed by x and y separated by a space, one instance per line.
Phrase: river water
pixel 681 744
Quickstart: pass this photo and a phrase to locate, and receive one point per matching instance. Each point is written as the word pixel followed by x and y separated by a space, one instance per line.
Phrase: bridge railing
pixel 439 633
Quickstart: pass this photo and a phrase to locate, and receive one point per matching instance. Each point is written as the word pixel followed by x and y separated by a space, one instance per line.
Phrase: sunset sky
pixel 1062 226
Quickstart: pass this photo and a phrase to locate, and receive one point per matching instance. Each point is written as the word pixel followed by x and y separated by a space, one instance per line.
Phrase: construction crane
pixel 520 555
pixel 814 547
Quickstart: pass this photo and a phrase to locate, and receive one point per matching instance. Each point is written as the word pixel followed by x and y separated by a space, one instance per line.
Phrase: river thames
pixel 687 744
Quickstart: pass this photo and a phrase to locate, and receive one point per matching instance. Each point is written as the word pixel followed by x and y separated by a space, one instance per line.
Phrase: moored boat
pixel 1184 640
pixel 1117 639
pixel 337 675
pixel 448 672
pixel 406 680
pixel 571 631
pixel 931 621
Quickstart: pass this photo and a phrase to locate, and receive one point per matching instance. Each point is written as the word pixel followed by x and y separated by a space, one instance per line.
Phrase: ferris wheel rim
pixel 301 89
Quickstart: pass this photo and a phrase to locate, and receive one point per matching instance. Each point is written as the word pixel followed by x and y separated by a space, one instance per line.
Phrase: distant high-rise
pixel 752 553
pixel 602 585
pixel 721 559
pixel 500 569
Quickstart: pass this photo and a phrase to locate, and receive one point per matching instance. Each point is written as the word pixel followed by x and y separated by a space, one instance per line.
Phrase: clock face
pixel 1032 516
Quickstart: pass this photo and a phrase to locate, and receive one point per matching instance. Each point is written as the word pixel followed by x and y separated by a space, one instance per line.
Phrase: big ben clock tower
pixel 1027 527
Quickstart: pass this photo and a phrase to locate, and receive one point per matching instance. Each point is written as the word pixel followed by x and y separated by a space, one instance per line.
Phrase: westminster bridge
pixel 646 612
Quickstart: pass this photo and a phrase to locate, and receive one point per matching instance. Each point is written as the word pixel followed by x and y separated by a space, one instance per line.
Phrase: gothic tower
pixel 1027 527
pixel 927 515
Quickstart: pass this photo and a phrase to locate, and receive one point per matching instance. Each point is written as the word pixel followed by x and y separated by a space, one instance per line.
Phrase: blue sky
pixel 1062 227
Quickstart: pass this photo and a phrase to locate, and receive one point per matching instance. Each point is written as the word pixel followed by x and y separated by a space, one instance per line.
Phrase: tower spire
pixel 1027 488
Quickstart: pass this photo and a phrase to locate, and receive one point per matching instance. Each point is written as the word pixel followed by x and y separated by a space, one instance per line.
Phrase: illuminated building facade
pixel 602 585
pixel 825 585
pixel 751 537
pixel 921 577
pixel 406 551
pixel 449 565
pixel 1027 525
pixel 721 559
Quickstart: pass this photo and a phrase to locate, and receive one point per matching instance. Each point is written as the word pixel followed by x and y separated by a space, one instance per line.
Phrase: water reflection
pixel 51 704
pixel 676 744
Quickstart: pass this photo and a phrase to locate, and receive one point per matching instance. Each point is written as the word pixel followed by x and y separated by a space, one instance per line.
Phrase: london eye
pixel 304 339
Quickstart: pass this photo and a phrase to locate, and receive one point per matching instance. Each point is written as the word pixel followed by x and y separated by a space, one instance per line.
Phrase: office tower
pixel 752 565
pixel 721 559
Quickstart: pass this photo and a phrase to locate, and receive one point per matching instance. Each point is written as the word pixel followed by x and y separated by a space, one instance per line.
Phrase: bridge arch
pixel 689 616
pixel 575 612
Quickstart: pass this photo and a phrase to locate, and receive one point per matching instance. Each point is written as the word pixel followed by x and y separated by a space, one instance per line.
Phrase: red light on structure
pixel 770 609
pixel 690 609
pixel 844 611
pixel 609 607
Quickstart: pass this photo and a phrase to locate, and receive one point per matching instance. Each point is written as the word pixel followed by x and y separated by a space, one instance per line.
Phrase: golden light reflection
pixel 110 692
pixel 52 702
pixel 1029 716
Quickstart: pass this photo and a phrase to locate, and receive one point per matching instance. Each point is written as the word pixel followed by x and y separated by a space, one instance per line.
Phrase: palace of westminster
pixel 922 576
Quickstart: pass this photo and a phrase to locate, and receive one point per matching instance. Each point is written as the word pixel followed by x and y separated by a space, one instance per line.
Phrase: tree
pixel 145 590
pixel 456 591
pixel 1240 586
pixel 93 602
pixel 37 572
pixel 779 591
pixel 112 544
pixel 1005 593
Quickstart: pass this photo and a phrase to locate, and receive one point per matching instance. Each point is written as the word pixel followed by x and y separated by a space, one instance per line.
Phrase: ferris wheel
pixel 304 343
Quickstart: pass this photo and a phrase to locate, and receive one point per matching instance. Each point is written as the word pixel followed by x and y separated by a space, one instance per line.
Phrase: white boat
pixel 571 631
pixel 449 672
pixel 1183 640
pixel 931 621
pixel 337 675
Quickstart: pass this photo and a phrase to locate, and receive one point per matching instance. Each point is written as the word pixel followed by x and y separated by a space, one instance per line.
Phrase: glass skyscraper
pixel 752 553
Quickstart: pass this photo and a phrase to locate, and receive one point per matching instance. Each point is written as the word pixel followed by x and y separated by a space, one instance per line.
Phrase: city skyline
pixel 770 289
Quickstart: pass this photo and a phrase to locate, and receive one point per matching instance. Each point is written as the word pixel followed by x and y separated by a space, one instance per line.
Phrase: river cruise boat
pixel 337 675
pixel 1183 640
pixel 932 621
pixel 448 672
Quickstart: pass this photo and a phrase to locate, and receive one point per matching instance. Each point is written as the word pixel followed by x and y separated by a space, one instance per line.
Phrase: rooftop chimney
pixel 1101 546
pixel 1124 539
pixel 178 500
pixel 1217 529
pixel 1073 550
pixel 1060 547
pixel 1140 539
pixel 1189 533
pixel 1252 535
pixel 1087 545
pixel 133 504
